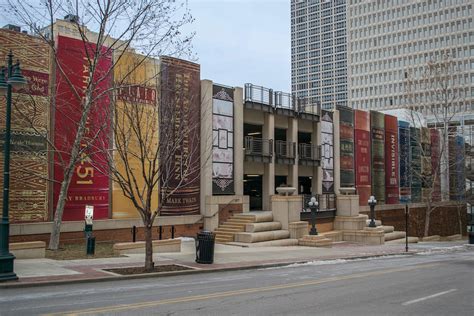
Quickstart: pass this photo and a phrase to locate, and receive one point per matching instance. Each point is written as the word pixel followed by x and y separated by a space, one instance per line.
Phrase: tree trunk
pixel 149 264
pixel 427 219
pixel 58 214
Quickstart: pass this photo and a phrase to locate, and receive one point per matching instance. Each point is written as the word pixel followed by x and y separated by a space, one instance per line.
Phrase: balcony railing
pixel 279 100
pixel 309 152
pixel 285 152
pixel 258 148
pixel 284 149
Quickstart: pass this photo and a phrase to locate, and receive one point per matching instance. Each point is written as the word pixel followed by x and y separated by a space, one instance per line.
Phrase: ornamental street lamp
pixel 313 205
pixel 15 80
pixel 372 202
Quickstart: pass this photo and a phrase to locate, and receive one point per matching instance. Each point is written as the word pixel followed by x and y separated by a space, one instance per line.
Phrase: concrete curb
pixel 186 272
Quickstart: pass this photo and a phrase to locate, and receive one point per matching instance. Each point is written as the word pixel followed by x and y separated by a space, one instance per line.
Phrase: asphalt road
pixel 430 284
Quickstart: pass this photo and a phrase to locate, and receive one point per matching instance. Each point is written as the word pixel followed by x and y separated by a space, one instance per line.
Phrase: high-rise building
pixel 319 51
pixel 390 43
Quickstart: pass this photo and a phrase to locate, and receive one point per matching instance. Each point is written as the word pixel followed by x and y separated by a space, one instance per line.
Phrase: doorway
pixel 253 188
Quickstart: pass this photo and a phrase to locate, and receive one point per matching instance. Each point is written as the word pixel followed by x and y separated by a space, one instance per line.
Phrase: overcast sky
pixel 239 41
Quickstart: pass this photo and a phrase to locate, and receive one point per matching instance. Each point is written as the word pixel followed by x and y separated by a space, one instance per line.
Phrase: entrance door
pixel 304 185
pixel 253 188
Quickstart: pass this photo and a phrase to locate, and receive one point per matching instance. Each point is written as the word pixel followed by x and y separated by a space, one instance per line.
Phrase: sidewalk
pixel 34 272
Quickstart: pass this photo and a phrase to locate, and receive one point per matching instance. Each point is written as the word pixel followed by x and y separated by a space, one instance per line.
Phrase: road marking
pixel 126 307
pixel 428 297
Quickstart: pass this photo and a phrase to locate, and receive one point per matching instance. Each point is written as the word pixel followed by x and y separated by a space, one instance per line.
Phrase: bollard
pixel 90 248
pixel 160 232
pixel 134 233
pixel 172 232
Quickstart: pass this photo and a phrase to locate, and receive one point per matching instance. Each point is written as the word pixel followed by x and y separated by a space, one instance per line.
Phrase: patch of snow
pixel 184 239
pixel 440 250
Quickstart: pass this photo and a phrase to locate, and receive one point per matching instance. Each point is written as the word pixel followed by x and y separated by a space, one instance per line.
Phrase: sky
pixel 243 41
pixel 238 41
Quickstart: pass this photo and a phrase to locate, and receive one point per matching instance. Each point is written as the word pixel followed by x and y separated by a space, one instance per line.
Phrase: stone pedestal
pixel 286 209
pixel 347 205
pixel 298 229
pixel 350 222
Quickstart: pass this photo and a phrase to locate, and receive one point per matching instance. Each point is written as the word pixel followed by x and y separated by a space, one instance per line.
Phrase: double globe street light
pixel 13 79
pixel 372 202
pixel 313 205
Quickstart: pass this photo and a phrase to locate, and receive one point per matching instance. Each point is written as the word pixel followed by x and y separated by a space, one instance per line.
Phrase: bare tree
pixel 152 27
pixel 156 139
pixel 434 92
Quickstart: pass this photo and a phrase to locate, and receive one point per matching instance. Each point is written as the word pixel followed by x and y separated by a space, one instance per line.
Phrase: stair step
pixel 394 235
pixel 226 225
pixel 262 236
pixel 411 240
pixel 262 226
pixel 315 241
pixel 334 235
pixel 387 229
pixel 239 221
pixel 224 234
pixel 256 217
pixel 227 230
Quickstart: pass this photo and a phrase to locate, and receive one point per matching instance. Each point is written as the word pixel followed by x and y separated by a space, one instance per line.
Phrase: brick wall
pixel 227 210
pixel 114 235
pixel 444 220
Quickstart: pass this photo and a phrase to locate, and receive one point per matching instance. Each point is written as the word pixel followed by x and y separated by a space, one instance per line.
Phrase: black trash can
pixel 471 238
pixel 90 247
pixel 205 247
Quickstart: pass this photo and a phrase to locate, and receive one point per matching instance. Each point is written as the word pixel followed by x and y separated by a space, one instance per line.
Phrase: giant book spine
pixel 415 162
pixel 391 160
pixel 426 172
pixel 28 197
pixel 404 158
pixel 180 99
pixel 346 138
pixel 90 182
pixel 362 155
pixel 377 124
pixel 436 164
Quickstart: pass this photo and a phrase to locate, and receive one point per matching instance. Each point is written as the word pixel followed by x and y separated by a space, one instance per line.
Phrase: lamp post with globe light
pixel 313 205
pixel 13 79
pixel 372 202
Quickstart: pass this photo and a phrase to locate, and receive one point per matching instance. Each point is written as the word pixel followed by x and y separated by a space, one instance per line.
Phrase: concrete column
pixel 268 132
pixel 292 136
pixel 337 156
pixel 206 143
pixel 317 181
pixel 238 141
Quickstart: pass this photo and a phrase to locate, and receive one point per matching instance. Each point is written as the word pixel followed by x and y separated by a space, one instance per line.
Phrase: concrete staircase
pixel 392 236
pixel 254 229
pixel 225 232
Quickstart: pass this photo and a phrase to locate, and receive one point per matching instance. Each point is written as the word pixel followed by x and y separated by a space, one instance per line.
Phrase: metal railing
pixel 327 202
pixel 258 94
pixel 285 149
pixel 258 146
pixel 309 152
pixel 279 99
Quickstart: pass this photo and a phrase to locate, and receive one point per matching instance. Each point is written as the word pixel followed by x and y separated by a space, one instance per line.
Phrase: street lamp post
pixel 313 205
pixel 372 202
pixel 15 80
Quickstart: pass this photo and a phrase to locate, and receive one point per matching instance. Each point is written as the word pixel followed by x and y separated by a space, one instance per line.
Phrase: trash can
pixel 90 247
pixel 205 247
pixel 471 238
